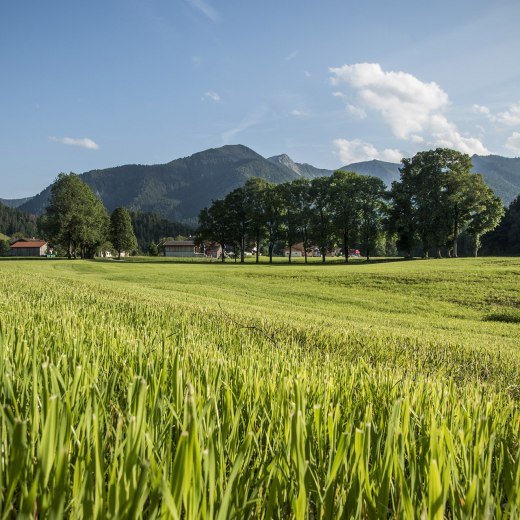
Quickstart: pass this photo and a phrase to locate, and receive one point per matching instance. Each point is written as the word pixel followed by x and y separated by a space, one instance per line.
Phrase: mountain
pixel 386 171
pixel 14 203
pixel 301 169
pixel 179 189
pixel 501 173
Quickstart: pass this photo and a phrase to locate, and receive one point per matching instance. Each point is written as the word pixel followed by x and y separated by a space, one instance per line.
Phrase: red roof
pixel 29 244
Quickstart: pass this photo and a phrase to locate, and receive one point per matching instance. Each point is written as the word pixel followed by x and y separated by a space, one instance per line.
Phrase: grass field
pixel 195 390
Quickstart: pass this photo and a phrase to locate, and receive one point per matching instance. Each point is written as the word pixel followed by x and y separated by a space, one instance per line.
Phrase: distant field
pixel 165 388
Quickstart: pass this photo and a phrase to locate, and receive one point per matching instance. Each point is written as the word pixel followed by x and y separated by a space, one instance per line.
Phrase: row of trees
pixel 78 221
pixel 436 199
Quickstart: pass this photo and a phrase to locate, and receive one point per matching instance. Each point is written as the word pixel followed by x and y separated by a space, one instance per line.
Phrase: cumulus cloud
pixel 412 108
pixel 351 109
pixel 211 95
pixel 358 150
pixel 291 55
pixel 510 117
pixel 204 8
pixel 513 142
pixel 297 113
pixel 84 142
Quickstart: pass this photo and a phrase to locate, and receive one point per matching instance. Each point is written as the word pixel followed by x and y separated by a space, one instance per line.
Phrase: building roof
pixel 28 244
pixel 179 243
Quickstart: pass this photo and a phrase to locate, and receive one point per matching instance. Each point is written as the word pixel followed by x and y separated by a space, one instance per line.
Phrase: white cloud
pixel 291 55
pixel 85 142
pixel 513 142
pixel 480 109
pixel 411 107
pixel 211 95
pixel 204 8
pixel 510 117
pixel 307 73
pixel 358 150
pixel 297 113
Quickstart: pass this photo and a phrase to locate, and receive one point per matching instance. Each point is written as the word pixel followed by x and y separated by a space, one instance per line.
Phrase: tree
pixel 372 209
pixel 254 196
pixel 322 229
pixel 439 184
pixel 289 215
pixel 505 239
pixel 238 215
pixel 153 250
pixel 345 206
pixel 74 217
pixel 121 232
pixel 272 207
pixel 4 247
pixel 401 217
pixel 485 218
pixel 214 225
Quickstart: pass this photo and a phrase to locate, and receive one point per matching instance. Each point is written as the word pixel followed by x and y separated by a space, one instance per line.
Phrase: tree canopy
pixel 75 217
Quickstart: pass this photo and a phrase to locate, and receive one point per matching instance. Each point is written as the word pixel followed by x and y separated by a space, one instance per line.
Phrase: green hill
pixel 386 171
pixel 179 189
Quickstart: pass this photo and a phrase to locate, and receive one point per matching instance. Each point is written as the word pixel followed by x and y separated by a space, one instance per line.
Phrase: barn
pixel 32 247
pixel 180 248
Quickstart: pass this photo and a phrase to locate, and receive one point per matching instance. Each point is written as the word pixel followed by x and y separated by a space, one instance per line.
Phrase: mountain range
pixel 178 190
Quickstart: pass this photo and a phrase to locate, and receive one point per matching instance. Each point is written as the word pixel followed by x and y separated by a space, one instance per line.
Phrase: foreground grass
pixel 177 390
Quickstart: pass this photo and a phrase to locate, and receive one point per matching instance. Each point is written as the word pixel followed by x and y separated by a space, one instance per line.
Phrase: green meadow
pixel 167 389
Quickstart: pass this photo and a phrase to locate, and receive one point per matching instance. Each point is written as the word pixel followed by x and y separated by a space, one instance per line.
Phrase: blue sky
pixel 102 83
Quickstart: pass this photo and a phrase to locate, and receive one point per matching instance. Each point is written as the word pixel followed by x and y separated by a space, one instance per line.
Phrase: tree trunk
pixel 222 255
pixel 345 246
pixel 290 252
pixel 368 254
pixel 242 245
pixel 476 246
pixel 323 254
pixel 271 245
pixel 439 254
pixel 257 246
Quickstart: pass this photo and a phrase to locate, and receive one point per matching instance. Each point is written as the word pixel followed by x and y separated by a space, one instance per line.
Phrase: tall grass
pixel 122 400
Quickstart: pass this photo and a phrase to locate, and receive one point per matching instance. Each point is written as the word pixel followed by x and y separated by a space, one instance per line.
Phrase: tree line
pixel 436 200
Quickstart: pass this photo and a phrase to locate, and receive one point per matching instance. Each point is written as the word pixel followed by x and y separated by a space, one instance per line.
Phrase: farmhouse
pixel 213 250
pixel 32 247
pixel 296 250
pixel 180 248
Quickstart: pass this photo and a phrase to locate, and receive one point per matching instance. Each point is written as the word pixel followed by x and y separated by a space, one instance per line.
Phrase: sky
pixel 86 85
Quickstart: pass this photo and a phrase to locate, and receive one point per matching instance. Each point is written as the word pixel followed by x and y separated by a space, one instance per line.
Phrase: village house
pixel 213 250
pixel 180 248
pixel 297 250
pixel 29 247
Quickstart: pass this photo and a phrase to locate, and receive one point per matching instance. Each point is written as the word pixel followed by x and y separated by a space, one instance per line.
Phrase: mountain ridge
pixel 179 189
